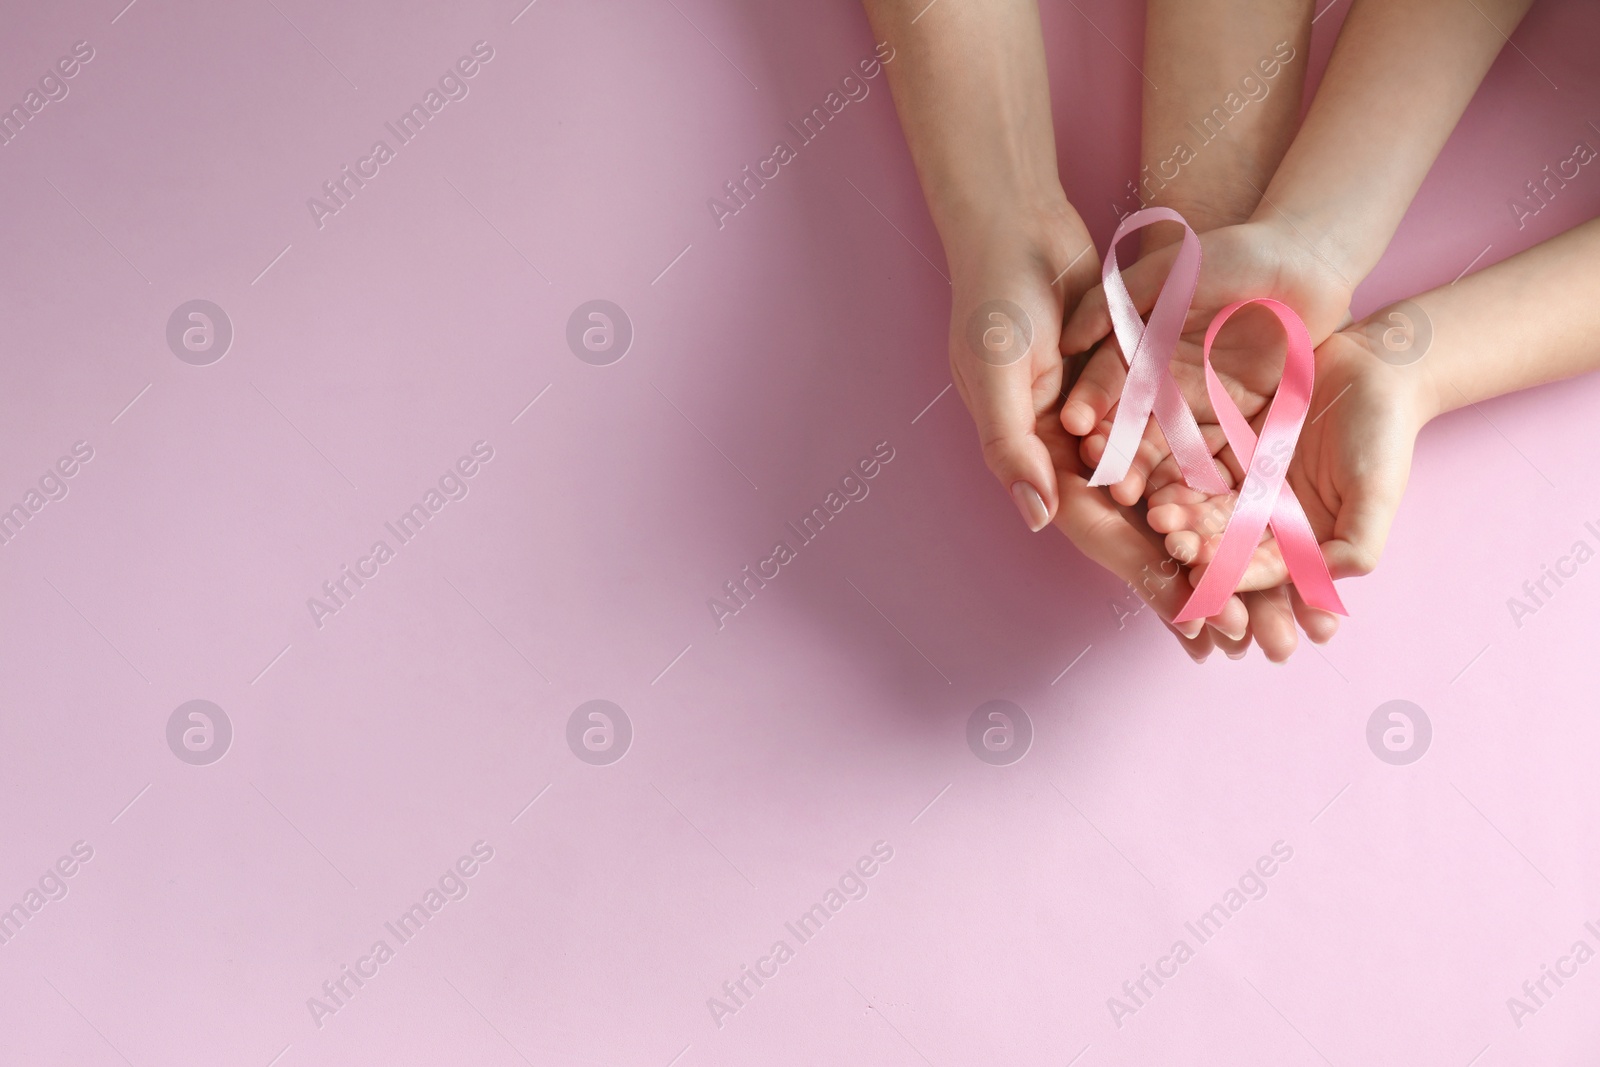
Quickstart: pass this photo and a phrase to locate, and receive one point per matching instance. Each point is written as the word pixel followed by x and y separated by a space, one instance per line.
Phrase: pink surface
pixel 371 753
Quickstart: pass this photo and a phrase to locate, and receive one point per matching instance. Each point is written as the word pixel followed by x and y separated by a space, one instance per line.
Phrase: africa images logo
pixel 851 90
pixel 741 590
pixel 850 886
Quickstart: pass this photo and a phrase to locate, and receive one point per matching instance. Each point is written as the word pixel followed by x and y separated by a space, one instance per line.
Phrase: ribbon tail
pixel 1297 543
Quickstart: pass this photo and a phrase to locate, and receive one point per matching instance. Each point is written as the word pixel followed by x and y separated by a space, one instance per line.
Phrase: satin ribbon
pixel 1265 497
pixel 1148 351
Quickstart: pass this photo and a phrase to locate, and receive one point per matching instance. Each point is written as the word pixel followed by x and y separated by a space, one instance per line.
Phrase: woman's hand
pixel 1010 293
pixel 1010 288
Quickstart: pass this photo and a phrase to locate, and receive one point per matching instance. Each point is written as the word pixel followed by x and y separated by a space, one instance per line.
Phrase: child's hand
pixel 1349 471
pixel 1252 259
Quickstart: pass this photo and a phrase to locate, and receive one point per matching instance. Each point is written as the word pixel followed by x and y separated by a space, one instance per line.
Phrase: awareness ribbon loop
pixel 1264 496
pixel 1148 348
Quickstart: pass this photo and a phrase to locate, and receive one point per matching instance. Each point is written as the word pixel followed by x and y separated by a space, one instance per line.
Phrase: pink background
pixel 369 754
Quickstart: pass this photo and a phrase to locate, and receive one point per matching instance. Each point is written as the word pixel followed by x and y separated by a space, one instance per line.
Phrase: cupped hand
pixel 1349 472
pixel 1011 374
pixel 1252 259
pixel 1010 287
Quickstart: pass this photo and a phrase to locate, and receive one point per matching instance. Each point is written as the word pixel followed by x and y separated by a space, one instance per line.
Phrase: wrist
pixel 1433 395
pixel 1201 207
pixel 1301 266
pixel 1396 352
pixel 1427 402
pixel 972 231
pixel 1316 249
pixel 1046 244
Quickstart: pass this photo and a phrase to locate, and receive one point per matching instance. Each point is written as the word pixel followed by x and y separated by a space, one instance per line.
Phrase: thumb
pixel 1091 319
pixel 1361 528
pixel 1001 402
pixel 1359 537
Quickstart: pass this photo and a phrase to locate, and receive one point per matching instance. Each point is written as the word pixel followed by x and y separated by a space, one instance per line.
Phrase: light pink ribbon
pixel 1265 497
pixel 1148 349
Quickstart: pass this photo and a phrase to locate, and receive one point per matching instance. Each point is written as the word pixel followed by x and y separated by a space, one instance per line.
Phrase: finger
pixel 1193 523
pixel 1319 625
pixel 1132 487
pixel 1235 647
pixel 1092 447
pixel 1167 472
pixel 1088 323
pixel 1234 650
pixel 1272 623
pixel 1361 530
pixel 1118 540
pixel 1180 492
pixel 1265 570
pixel 1184 546
pixel 1198 647
pixel 1179 507
pixel 1151 451
pixel 1194 531
pixel 1232 622
pixel 1231 648
pixel 1228 461
pixel 1095 393
pixel 1091 319
pixel 1002 406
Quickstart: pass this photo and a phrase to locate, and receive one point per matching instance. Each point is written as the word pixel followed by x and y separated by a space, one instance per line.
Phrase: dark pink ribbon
pixel 1265 496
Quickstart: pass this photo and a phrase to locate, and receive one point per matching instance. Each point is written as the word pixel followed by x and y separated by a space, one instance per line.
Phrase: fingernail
pixel 1031 504
pixel 1239 655
pixel 1230 635
pixel 1190 629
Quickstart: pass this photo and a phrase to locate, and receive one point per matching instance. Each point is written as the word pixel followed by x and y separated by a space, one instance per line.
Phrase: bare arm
pixel 1221 105
pixel 1528 320
pixel 1220 109
pixel 970 84
pixel 1401 74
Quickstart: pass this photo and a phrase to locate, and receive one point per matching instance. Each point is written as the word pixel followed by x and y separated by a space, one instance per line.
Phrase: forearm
pixel 1528 320
pixel 970 85
pixel 1220 106
pixel 1401 74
